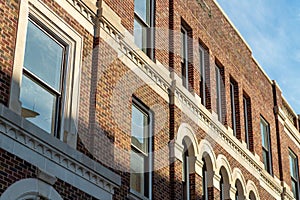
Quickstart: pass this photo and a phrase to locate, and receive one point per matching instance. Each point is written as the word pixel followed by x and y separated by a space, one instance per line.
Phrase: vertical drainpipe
pixel 171 102
pixel 276 109
pixel 94 76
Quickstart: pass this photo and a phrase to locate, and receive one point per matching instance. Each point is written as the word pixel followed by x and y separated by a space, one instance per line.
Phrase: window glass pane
pixel 139 129
pixel 266 160
pixel 140 35
pixel 137 170
pixel 264 134
pixel 38 105
pixel 294 188
pixel 43 56
pixel 142 8
pixel 293 165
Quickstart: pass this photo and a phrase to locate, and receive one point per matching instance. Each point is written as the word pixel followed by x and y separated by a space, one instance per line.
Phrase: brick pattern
pixel 13 169
pixel 9 12
pixel 107 87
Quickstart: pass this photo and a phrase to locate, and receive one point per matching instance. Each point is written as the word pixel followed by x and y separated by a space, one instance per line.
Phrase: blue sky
pixel 272 30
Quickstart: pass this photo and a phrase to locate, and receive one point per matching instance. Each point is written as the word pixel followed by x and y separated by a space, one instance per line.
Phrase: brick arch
pixel 206 151
pixel 30 187
pixel 186 131
pixel 238 176
pixel 223 162
pixel 251 188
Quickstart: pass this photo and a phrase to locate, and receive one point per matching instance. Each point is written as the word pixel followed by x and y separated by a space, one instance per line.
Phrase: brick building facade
pixel 138 99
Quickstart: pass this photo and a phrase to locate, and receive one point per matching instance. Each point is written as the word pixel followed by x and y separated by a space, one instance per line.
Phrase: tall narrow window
pixel 236 193
pixel 204 181
pixel 141 148
pixel 202 75
pixel 186 178
pixel 294 174
pixel 184 57
pixel 143 21
pixel 233 105
pixel 42 86
pixel 247 121
pixel 219 95
pixel 222 188
pixel 266 146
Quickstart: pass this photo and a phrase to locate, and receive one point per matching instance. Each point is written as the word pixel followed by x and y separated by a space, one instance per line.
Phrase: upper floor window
pixel 43 78
pixel 294 174
pixel 46 72
pixel 266 146
pixel 143 21
pixel 184 57
pixel 220 92
pixel 234 102
pixel 141 148
pixel 248 122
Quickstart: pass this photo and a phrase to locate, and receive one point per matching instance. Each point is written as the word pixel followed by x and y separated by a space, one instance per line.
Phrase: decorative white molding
pixel 30 187
pixel 187 100
pixel 38 141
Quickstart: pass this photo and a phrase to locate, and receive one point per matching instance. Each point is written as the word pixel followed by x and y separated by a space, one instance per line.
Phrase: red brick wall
pixel 9 12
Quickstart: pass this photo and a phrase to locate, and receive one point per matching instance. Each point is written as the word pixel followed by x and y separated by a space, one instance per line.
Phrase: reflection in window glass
pixel 142 8
pixel 137 169
pixel 38 105
pixel 140 157
pixel 41 87
pixel 43 56
pixel 139 130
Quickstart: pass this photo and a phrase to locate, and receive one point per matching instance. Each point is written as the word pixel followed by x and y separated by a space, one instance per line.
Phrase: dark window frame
pixel 148 30
pixel 294 180
pixel 148 156
pixel 266 150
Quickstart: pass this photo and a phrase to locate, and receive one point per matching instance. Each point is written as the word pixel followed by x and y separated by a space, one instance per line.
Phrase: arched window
pixel 188 167
pixel 239 194
pixel 221 188
pixel 204 181
pixel 252 196
pixel 224 184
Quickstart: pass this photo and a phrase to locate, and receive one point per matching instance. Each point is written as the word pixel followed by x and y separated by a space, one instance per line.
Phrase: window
pixel 247 121
pixel 294 174
pixel 184 57
pixel 141 148
pixel 266 146
pixel 234 102
pixel 204 181
pixel 143 21
pixel 46 72
pixel 186 176
pixel 219 90
pixel 42 81
pixel 222 188
pixel 203 69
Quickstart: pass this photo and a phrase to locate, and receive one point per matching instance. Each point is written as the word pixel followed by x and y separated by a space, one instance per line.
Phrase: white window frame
pixel 65 32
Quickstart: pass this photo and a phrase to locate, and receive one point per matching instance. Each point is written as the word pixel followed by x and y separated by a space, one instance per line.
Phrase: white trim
pixel 223 162
pixel 75 42
pixel 30 187
pixel 238 175
pixel 251 187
